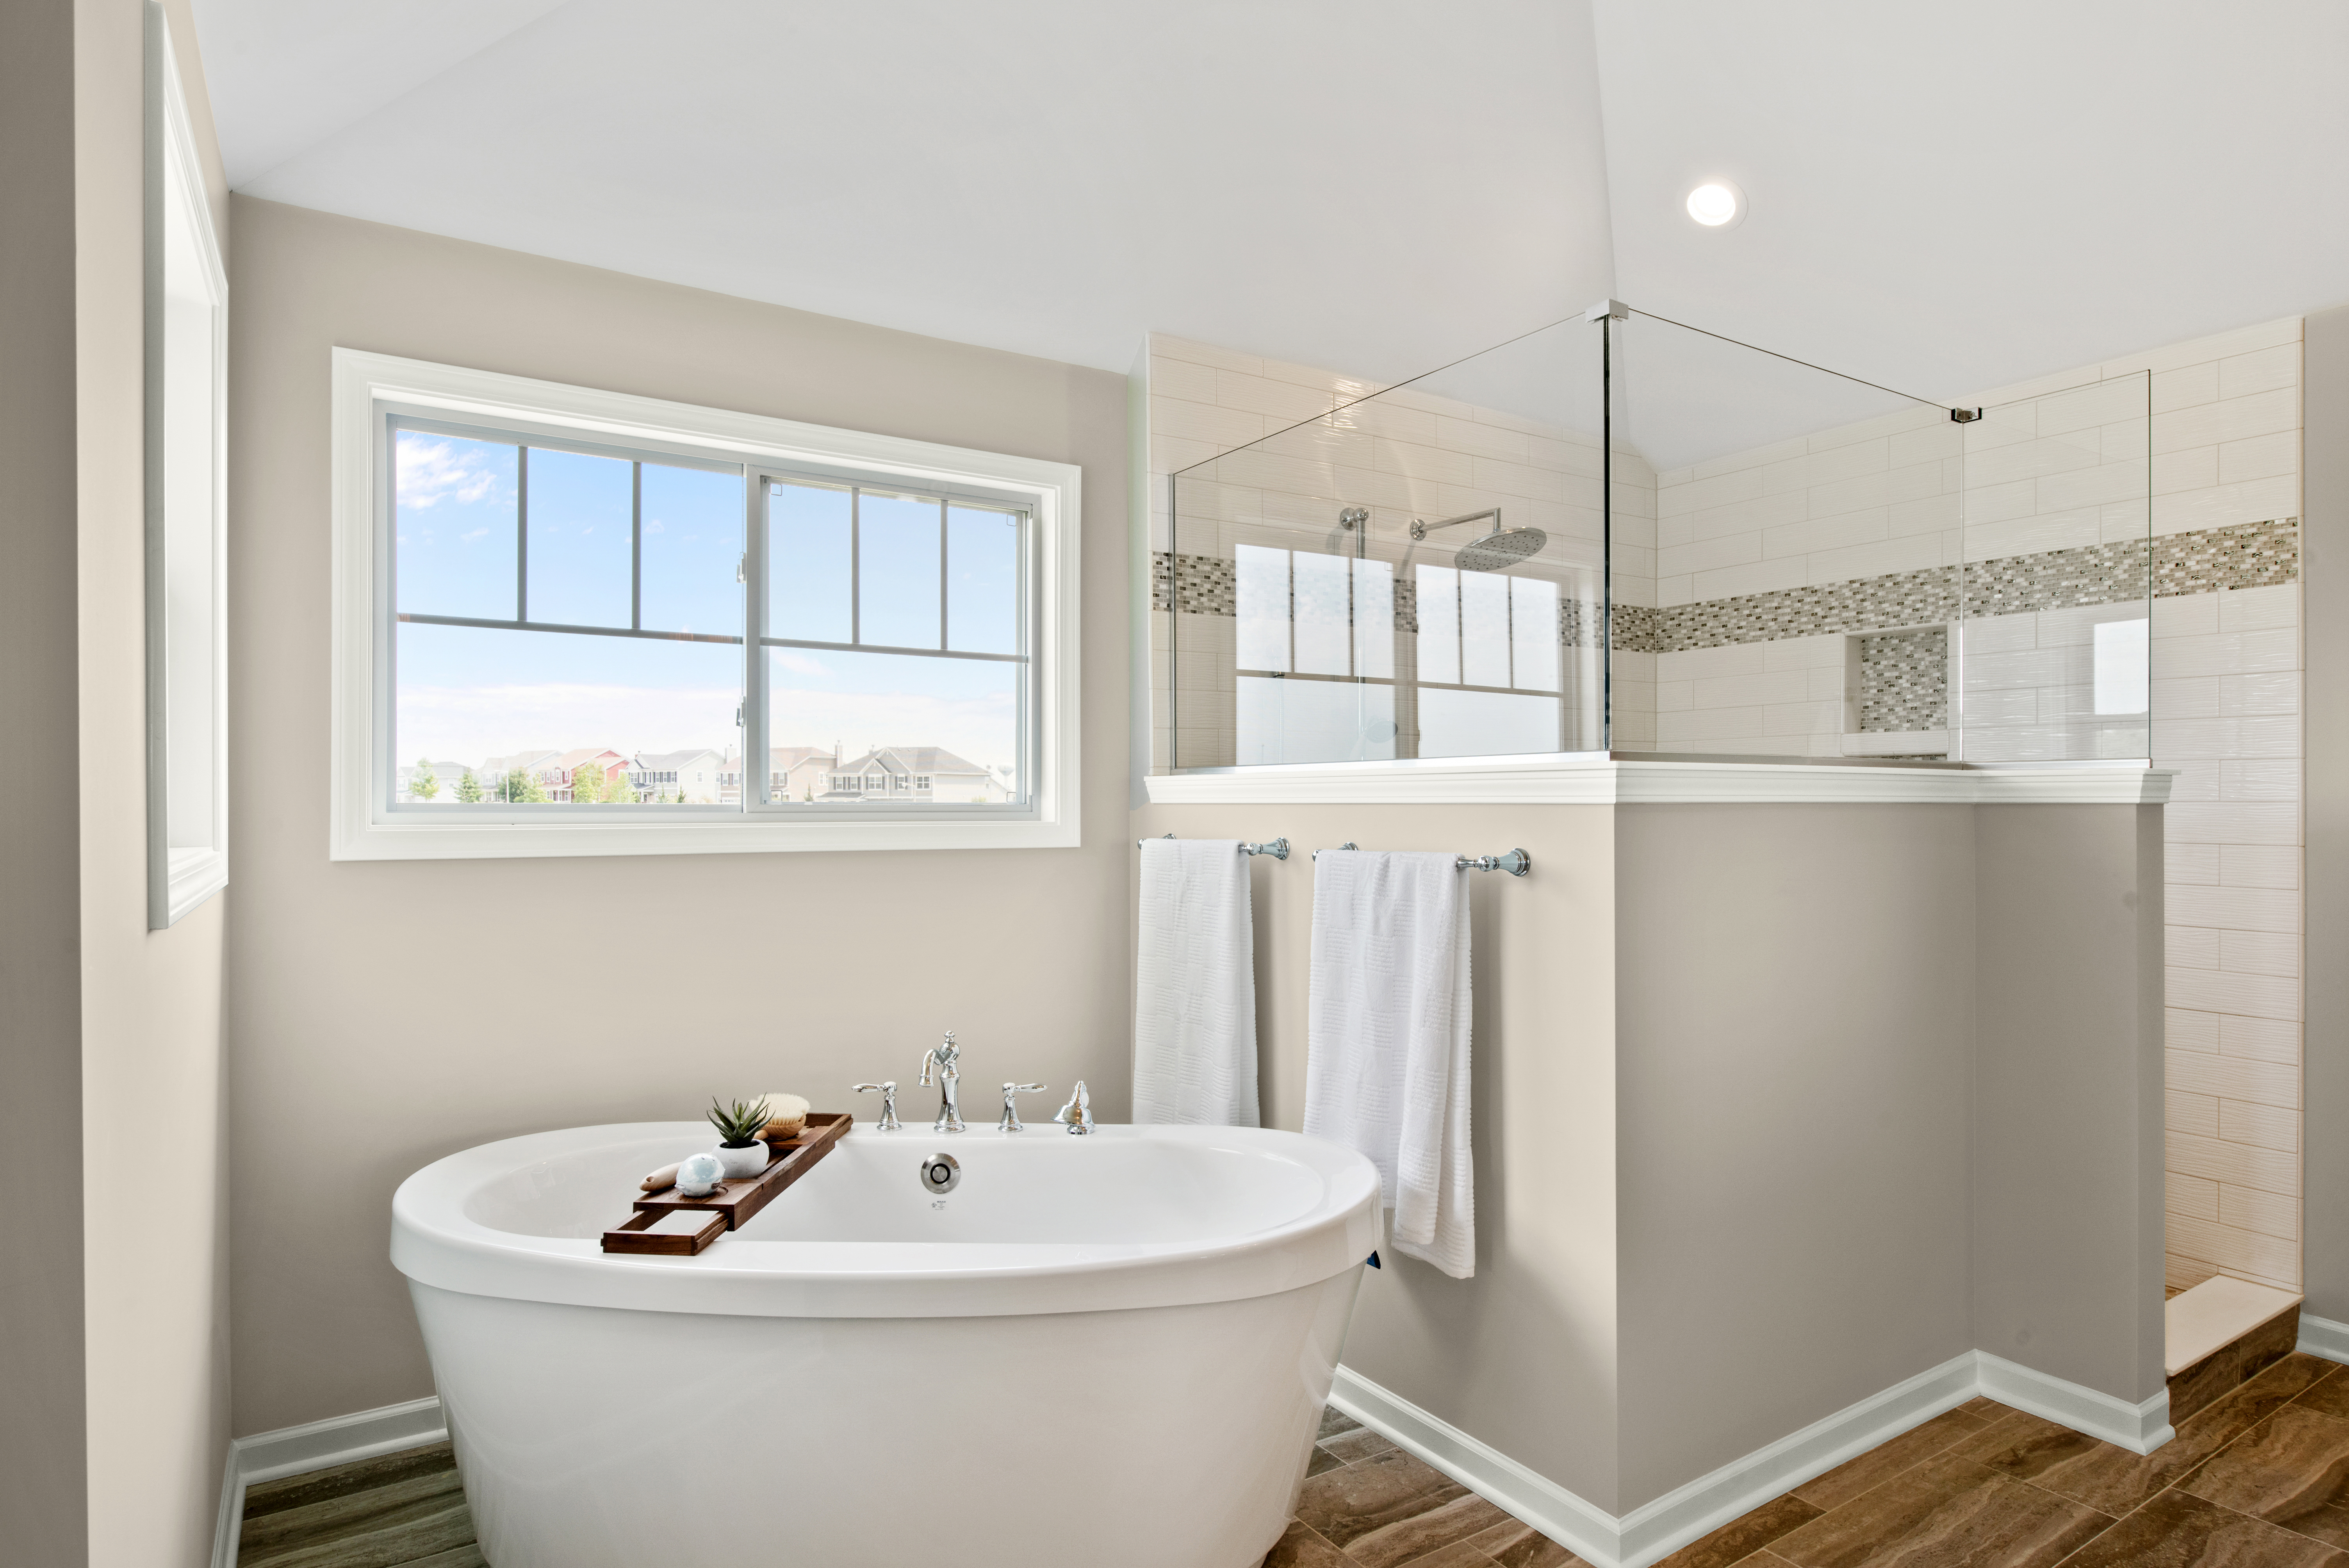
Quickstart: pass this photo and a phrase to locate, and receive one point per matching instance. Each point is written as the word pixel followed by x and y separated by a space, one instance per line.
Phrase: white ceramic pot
pixel 741 1161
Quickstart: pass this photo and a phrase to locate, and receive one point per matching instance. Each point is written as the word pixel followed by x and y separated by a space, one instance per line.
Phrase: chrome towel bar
pixel 1516 863
pixel 1278 849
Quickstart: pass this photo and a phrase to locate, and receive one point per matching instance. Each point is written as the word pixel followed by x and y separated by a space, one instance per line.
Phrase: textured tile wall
pixel 1904 680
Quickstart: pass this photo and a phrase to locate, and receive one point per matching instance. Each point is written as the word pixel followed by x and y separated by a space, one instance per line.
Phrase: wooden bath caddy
pixel 735 1200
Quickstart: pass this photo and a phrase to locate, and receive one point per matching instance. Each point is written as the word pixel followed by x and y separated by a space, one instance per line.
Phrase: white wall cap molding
pixel 2322 1336
pixel 1593 779
pixel 316 1446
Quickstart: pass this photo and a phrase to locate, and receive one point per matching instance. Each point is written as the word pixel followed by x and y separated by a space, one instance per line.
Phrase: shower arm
pixel 1419 529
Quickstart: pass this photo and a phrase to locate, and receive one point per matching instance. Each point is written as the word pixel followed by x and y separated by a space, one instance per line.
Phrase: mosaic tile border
pixel 2243 555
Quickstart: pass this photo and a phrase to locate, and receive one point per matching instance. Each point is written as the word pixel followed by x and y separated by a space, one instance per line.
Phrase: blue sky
pixel 467 692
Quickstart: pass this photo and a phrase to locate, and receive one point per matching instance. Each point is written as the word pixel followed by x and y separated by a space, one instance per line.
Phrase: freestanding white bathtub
pixel 1102 1349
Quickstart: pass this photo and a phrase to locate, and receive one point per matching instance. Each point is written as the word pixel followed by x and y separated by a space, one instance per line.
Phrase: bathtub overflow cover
pixel 940 1172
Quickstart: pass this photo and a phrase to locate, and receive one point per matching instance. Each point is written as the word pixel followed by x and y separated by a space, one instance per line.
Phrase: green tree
pixel 521 789
pixel 469 788
pixel 586 784
pixel 620 792
pixel 427 783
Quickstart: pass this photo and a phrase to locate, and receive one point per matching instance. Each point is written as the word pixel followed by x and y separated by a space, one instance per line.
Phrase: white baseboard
pixel 2322 1336
pixel 1663 1526
pixel 320 1445
pixel 2140 1429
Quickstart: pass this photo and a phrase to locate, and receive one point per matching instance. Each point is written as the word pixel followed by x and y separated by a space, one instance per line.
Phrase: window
pixel 186 609
pixel 549 598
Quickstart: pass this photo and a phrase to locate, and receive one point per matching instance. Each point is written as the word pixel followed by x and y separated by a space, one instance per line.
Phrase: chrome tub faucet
pixel 938 1071
pixel 1078 1114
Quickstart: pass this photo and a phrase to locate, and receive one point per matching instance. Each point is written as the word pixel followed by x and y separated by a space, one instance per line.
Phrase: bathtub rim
pixel 435 1243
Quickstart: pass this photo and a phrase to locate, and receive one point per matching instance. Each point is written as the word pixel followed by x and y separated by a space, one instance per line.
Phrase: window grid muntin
pixel 391 418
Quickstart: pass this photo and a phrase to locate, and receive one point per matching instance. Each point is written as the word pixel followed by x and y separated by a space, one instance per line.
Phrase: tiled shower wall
pixel 1764 562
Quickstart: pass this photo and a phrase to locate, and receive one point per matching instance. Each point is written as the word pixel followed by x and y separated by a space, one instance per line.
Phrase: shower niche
pixel 1897 693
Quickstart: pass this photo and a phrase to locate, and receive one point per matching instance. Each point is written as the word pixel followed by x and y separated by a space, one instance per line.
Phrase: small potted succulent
pixel 738 1125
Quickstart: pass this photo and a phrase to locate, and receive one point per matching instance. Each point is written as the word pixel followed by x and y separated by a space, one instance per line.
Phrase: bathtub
pixel 1102 1349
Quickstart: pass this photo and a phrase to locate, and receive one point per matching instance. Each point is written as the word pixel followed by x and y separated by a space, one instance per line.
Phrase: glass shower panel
pixel 1420 572
pixel 2056 577
pixel 1785 553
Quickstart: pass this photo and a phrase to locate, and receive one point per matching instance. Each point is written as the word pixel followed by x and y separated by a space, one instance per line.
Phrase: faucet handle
pixel 888 1092
pixel 1078 1114
pixel 1010 1122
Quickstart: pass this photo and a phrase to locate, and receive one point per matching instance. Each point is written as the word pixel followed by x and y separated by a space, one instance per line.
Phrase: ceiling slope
pixel 1379 185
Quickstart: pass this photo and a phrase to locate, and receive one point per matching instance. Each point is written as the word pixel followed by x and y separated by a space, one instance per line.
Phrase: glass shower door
pixel 2056 577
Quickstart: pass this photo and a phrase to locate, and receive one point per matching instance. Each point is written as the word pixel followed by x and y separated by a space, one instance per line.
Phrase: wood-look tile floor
pixel 2258 1479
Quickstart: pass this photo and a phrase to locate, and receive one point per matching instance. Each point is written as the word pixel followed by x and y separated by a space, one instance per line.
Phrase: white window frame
pixel 186 530
pixel 362 826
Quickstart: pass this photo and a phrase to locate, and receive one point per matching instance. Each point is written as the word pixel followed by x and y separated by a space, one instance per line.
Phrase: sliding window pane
pixel 982 580
pixel 1325 614
pixel 807 562
pixel 1438 604
pixel 1533 633
pixel 955 722
pixel 897 549
pixel 692 550
pixel 581 546
pixel 1483 629
pixel 1261 592
pixel 551 717
pixel 1374 619
pixel 454 532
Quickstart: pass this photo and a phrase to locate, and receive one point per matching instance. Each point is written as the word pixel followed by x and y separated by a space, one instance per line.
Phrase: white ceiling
pixel 1943 198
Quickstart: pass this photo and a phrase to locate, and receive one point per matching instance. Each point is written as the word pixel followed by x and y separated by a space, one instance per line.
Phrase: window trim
pixel 181 879
pixel 368 387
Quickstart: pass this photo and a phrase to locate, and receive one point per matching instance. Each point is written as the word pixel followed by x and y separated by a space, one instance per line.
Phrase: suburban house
pixel 689 775
pixel 559 775
pixel 912 773
pixel 800 772
pixel 530 764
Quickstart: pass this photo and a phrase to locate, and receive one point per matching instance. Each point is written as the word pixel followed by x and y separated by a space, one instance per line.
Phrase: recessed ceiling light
pixel 1717 204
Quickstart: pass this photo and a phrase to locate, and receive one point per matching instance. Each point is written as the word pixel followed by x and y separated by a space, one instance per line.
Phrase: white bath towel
pixel 1195 987
pixel 1387 1034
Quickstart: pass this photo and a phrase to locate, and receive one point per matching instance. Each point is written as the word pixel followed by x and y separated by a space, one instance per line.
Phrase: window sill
pixel 408 839
pixel 1594 779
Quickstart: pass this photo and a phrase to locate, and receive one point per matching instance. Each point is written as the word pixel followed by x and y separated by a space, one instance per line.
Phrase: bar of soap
pixel 664 1177
pixel 786 1117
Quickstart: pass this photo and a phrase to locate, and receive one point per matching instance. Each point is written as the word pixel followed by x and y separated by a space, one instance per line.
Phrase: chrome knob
pixel 888 1093
pixel 1010 1122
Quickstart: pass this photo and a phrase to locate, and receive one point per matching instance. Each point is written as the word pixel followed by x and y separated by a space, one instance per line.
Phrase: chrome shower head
pixel 1499 551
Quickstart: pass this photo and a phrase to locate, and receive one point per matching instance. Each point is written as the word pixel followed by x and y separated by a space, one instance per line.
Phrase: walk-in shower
pixel 1691 545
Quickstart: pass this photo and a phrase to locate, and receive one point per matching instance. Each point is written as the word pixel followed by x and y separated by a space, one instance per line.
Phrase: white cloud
pixel 434 472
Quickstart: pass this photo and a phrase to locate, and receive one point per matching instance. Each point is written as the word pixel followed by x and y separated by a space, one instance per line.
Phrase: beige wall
pixel 2326 535
pixel 1776 1107
pixel 1796 1038
pixel 387 1014
pixel 2067 1176
pixel 115 1417
pixel 1540 1314
pixel 44 1473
